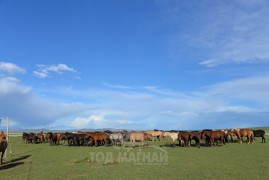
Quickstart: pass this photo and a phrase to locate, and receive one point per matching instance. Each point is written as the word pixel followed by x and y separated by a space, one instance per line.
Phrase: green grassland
pixel 41 161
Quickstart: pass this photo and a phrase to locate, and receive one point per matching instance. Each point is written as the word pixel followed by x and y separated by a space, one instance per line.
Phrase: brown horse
pixel 95 137
pixel 217 135
pixel 240 133
pixel 184 138
pixel 196 136
pixel 137 136
pixel 40 137
pixel 205 134
pixel 3 144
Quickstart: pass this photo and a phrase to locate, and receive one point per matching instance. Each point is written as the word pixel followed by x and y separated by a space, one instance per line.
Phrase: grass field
pixel 41 161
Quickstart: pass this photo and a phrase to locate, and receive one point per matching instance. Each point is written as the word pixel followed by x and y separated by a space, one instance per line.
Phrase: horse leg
pixel 212 142
pixel 199 143
pixel 185 142
pixel 239 140
pixel 248 139
pixel 2 157
pixel 105 142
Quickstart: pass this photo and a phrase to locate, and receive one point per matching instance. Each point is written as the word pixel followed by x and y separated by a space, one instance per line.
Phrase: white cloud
pixel 41 74
pixel 82 122
pixel 227 104
pixel 44 70
pixel 98 121
pixel 11 85
pixel 213 107
pixel 11 68
pixel 28 110
pixel 59 68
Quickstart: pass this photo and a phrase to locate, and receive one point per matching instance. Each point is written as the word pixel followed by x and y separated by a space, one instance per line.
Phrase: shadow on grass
pixel 14 162
pixel 136 145
pixel 169 145
pixel 20 158
pixel 11 165
pixel 192 145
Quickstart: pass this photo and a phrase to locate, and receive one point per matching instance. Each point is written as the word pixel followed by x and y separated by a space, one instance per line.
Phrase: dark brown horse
pixel 184 138
pixel 196 136
pixel 3 144
pixel 260 133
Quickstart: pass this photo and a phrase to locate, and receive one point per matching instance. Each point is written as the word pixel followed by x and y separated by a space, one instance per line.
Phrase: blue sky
pixel 134 64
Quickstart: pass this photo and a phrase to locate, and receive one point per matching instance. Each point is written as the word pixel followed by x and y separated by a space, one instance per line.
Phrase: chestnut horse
pixel 3 144
pixel 240 133
pixel 155 134
pixel 217 136
pixel 98 136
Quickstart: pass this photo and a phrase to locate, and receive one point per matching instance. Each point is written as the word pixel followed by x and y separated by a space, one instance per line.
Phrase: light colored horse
pixel 137 136
pixel 172 135
pixel 240 133
pixel 115 138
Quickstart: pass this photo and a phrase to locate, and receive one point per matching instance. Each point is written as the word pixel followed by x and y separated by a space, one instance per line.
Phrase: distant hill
pixel 20 130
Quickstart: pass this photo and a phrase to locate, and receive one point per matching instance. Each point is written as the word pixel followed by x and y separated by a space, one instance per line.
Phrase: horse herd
pixel 210 137
pixel 106 138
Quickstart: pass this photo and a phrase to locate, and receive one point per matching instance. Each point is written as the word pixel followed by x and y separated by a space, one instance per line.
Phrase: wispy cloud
pixel 225 33
pixel 235 103
pixel 116 86
pixel 237 33
pixel 228 104
pixel 248 89
pixel 41 74
pixel 11 68
pixel 44 70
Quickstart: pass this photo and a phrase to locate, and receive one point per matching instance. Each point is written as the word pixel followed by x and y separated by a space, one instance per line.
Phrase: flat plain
pixel 157 160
